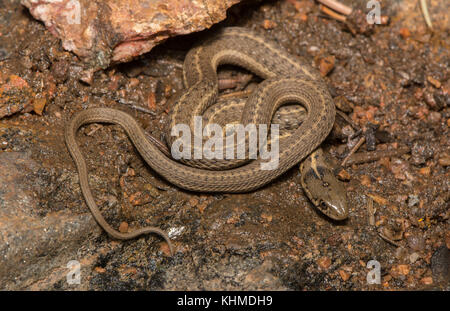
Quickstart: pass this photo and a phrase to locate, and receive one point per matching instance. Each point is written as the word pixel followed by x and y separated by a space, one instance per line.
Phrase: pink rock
pixel 101 32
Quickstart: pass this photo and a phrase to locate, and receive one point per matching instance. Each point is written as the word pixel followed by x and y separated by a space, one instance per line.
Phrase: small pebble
pixel 380 200
pixel 444 160
pixel 436 83
pixel 413 200
pixel 413 257
pixel 434 117
pixel 269 24
pixel 324 262
pixel 421 151
pixel 428 280
pixel 60 71
pixel 326 64
pixel 193 202
pixel 404 32
pixel 344 275
pixel 425 171
pixel 343 175
pixel 100 270
pixel 416 243
pixel 401 253
pixel 123 227
pixel 4 54
pixel 39 105
pixel 399 271
pixel 133 83
pixel 164 247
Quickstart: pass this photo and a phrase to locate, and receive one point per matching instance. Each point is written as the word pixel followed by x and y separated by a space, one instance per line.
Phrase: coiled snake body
pixel 287 79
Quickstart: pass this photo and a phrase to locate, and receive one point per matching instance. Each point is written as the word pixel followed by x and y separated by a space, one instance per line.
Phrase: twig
pixel 354 149
pixel 333 14
pixel 348 120
pixel 95 129
pixel 337 6
pixel 426 15
pixel 371 210
pixel 143 110
pixel 357 133
pixel 131 105
pixel 366 157
pixel 388 239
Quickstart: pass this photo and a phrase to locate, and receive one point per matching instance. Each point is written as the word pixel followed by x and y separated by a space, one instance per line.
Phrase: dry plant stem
pixel 95 129
pixel 332 14
pixel 354 149
pixel 388 239
pixel 143 110
pixel 337 6
pixel 365 157
pixel 348 120
pixel 371 210
pixel 426 14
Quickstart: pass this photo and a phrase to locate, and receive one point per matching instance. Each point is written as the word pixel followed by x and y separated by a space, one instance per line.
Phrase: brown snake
pixel 287 79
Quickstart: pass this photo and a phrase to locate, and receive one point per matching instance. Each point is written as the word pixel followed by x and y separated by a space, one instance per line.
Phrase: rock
pixel 436 83
pixel 416 242
pixel 444 160
pixel 100 270
pixel 326 64
pixel 123 227
pixel 344 275
pixel 428 280
pixel 401 253
pixel 425 171
pixel 413 199
pixel 380 200
pixel 4 54
pixel 101 32
pixel 15 96
pixel 261 277
pixel 324 262
pixel 404 32
pixel 269 24
pixel 434 117
pixel 421 151
pixel 398 271
pixel 60 71
pixel 413 257
pixel 164 247
pixel 33 245
pixel 440 265
pixel 39 105
pixel 343 175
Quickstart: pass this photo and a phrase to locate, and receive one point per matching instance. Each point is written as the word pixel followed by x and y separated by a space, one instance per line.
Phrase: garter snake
pixel 287 79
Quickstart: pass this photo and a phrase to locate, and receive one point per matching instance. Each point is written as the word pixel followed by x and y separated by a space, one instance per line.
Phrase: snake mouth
pixel 336 211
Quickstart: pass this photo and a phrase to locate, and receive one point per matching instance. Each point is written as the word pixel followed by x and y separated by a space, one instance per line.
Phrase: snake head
pixel 322 187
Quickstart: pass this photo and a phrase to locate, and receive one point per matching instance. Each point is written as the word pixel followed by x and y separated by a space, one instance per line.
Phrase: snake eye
pixel 323 206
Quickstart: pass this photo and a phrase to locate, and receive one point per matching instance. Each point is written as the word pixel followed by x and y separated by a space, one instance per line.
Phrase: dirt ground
pixel 392 81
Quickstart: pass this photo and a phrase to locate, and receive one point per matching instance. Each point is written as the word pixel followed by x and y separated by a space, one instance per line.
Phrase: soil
pixel 392 81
